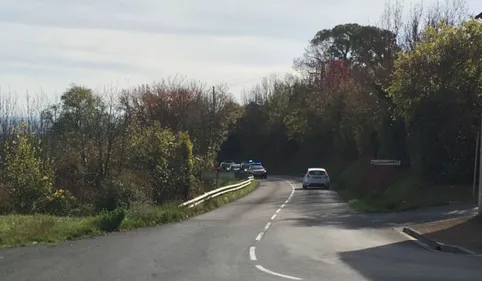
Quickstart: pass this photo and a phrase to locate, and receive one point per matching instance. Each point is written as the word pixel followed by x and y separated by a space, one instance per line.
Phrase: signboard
pixel 386 162
pixel 211 175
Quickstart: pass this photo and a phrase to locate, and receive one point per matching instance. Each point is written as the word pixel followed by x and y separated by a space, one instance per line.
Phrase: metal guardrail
pixel 214 193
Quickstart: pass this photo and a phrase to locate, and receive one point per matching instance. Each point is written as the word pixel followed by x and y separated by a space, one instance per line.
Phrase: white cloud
pixel 50 43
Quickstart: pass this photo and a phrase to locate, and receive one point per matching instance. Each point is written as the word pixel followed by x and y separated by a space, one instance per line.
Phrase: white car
pixel 316 177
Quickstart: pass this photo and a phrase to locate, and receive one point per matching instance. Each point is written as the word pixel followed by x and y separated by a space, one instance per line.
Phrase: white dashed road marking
pixel 260 236
pixel 252 249
pixel 267 226
pixel 252 253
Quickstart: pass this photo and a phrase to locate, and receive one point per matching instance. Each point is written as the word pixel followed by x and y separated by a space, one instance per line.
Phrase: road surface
pixel 278 232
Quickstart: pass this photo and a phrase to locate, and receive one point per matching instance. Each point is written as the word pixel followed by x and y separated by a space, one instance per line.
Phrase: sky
pixel 49 44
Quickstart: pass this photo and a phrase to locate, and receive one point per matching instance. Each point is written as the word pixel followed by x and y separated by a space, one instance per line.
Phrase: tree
pixel 436 89
pixel 27 177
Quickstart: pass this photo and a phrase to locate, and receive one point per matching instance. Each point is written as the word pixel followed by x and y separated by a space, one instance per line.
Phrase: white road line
pixel 252 250
pixel 267 226
pixel 277 274
pixel 260 236
pixel 252 254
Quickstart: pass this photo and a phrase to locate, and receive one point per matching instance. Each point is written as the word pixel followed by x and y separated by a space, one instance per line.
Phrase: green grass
pixel 408 192
pixel 22 230
pixel 18 230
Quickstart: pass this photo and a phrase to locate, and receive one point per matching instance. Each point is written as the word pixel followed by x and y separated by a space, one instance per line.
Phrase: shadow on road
pixel 398 261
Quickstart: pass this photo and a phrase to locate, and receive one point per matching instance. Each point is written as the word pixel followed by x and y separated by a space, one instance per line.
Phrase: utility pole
pixel 474 191
pixel 214 102
pixel 213 119
pixel 479 201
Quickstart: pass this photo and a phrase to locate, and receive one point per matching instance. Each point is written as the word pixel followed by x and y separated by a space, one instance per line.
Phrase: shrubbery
pixel 95 154
pixel 27 178
pixel 111 220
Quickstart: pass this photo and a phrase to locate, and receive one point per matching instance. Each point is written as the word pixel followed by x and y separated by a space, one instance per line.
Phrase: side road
pixel 411 217
pixel 450 228
pixel 318 236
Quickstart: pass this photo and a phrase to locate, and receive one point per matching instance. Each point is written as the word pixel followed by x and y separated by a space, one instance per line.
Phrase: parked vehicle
pixel 244 167
pixel 257 170
pixel 235 167
pixel 316 177
pixel 225 167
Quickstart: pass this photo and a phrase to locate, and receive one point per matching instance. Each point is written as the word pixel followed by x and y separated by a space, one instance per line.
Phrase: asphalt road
pixel 278 232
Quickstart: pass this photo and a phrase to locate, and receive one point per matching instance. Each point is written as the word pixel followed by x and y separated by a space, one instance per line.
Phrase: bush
pixel 111 221
pixel 113 196
pixel 61 203
pixel 183 177
pixel 151 149
pixel 26 176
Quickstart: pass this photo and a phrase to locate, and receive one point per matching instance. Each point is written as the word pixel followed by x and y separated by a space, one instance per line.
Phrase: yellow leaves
pixel 61 194
pixel 26 175
pixel 441 66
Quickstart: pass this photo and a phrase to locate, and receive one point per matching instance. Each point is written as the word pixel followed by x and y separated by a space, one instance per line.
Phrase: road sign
pixel 386 162
pixel 211 175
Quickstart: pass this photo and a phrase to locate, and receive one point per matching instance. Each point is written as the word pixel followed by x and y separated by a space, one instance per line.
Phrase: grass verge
pixel 22 230
pixel 406 192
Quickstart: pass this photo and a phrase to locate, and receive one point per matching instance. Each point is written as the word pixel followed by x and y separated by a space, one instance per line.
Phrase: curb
pixel 437 246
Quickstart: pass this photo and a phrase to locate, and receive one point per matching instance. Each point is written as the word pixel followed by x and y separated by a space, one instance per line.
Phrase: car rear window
pixel 317 173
